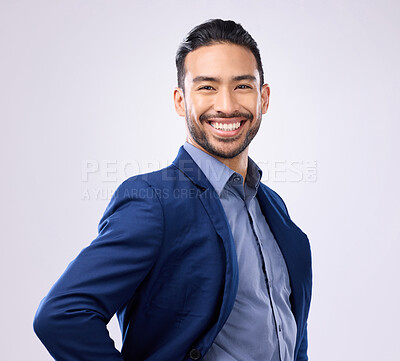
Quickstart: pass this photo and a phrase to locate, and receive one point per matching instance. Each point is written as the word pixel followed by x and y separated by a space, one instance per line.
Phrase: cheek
pixel 252 104
pixel 199 105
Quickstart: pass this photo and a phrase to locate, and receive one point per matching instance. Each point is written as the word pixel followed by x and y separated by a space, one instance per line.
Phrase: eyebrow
pixel 201 78
pixel 244 77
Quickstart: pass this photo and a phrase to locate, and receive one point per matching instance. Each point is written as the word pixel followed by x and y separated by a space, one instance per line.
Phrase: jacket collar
pixel 217 173
pixel 189 168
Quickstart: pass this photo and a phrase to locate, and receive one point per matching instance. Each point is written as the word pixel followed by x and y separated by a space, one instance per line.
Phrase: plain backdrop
pixel 86 101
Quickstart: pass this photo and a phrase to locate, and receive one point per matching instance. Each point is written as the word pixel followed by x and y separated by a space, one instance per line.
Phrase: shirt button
pixel 195 354
pixel 236 179
pixel 280 328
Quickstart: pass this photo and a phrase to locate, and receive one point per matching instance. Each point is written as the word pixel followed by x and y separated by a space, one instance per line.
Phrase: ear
pixel 265 91
pixel 179 102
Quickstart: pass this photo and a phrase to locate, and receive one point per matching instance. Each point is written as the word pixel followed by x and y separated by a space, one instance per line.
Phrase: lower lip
pixel 227 133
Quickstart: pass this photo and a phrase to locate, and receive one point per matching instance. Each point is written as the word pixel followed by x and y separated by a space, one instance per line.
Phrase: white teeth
pixel 225 127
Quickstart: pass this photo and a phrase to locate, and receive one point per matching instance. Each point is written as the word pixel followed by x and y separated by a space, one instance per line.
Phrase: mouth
pixel 227 127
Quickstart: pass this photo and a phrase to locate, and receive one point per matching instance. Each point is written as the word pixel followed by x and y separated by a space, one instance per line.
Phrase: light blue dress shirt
pixel 261 326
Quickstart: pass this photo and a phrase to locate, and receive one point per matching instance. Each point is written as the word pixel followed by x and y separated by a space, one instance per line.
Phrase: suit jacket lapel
pixel 212 204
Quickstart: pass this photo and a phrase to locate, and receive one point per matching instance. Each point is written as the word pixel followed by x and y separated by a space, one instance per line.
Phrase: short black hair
pixel 215 31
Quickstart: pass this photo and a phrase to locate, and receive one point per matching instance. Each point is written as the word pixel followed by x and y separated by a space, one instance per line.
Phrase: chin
pixel 226 152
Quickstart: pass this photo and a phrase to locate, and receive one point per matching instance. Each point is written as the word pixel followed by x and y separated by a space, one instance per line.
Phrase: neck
pixel 238 164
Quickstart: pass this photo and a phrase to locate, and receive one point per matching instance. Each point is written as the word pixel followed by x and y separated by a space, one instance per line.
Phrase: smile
pixel 225 126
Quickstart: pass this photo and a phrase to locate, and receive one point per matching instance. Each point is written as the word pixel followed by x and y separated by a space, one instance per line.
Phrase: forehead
pixel 220 60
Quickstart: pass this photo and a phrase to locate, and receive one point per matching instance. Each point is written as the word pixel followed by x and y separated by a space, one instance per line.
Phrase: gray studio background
pixel 86 101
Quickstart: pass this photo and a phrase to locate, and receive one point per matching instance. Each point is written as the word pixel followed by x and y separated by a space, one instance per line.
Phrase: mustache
pixel 205 117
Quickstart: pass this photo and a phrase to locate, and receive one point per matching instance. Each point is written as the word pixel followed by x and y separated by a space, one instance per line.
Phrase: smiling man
pixel 200 260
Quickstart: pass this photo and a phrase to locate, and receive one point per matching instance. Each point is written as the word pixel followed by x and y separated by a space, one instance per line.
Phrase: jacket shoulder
pixel 151 181
pixel 131 195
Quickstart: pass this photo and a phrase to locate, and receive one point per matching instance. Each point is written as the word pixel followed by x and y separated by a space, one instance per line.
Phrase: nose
pixel 225 101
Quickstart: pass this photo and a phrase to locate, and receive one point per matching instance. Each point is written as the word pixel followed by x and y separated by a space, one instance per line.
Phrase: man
pixel 199 260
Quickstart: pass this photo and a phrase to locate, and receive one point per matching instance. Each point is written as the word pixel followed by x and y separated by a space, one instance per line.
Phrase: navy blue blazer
pixel 164 261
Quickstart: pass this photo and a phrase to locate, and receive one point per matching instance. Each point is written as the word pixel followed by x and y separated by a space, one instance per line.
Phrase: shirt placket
pixel 247 196
pixel 268 284
pixel 264 254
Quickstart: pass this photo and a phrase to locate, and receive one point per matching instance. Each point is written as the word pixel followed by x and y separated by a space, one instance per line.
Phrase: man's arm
pixel 302 354
pixel 71 320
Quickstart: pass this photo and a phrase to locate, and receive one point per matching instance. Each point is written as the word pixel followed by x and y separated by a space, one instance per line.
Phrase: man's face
pixel 223 103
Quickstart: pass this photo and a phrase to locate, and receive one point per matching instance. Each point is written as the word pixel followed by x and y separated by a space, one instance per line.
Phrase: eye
pixel 206 87
pixel 244 86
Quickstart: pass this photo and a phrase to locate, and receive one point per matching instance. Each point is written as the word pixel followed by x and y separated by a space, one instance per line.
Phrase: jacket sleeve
pixel 302 354
pixel 71 320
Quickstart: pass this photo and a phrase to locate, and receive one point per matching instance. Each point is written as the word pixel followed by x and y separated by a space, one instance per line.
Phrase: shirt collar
pixel 217 173
pixel 254 174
